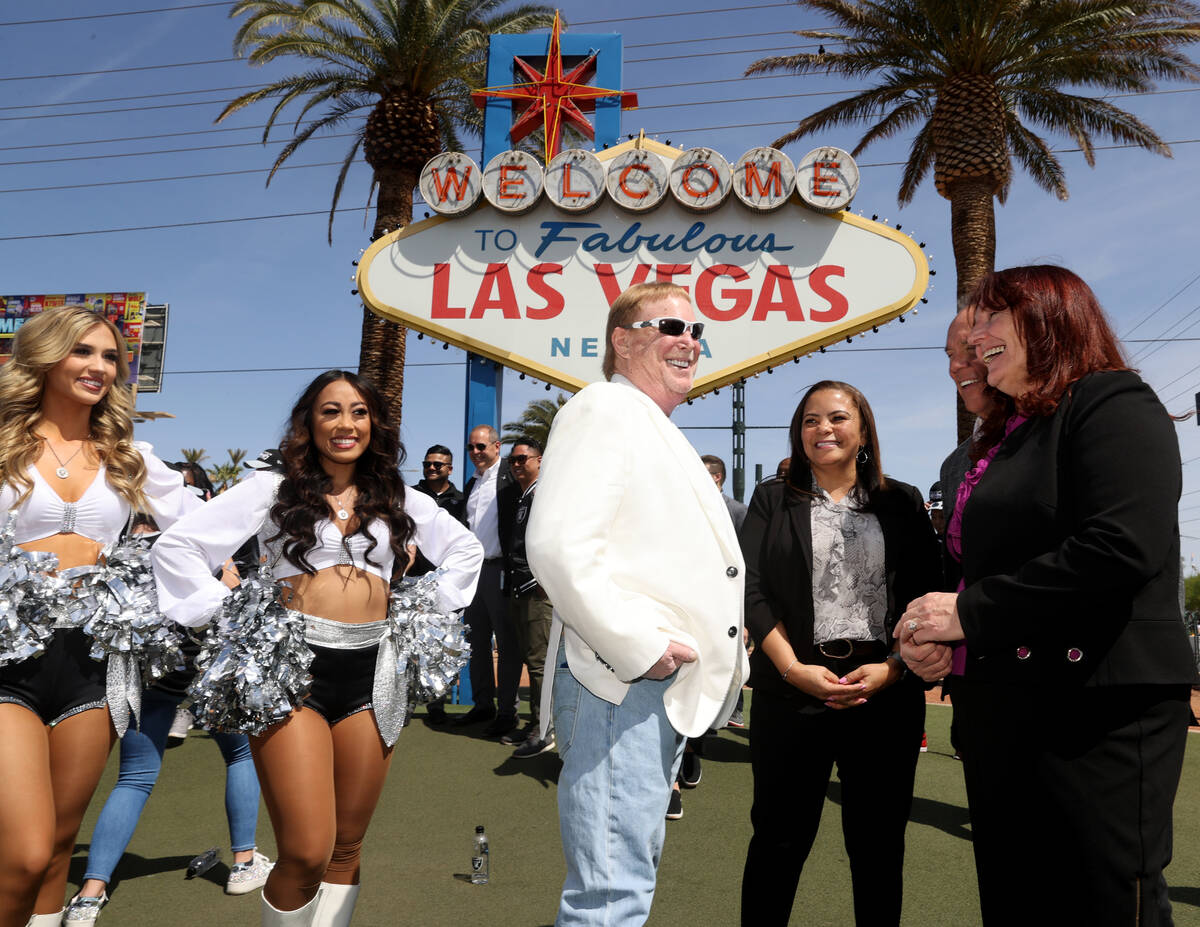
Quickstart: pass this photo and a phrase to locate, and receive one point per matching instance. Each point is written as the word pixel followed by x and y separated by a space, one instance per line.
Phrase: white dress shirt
pixel 483 513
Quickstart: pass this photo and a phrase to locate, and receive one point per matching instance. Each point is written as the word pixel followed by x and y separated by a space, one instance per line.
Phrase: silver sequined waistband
pixel 342 635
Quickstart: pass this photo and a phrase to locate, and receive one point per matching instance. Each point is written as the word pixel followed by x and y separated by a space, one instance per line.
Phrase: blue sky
pixel 255 297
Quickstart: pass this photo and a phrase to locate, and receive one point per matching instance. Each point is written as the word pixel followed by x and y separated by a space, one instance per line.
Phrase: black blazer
pixel 776 542
pixel 1071 546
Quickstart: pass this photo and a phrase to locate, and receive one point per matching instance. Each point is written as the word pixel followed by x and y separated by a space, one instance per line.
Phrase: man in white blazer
pixel 634 545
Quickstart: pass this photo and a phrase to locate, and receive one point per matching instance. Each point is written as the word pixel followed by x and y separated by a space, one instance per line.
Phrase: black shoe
pixel 435 714
pixel 534 746
pixel 513 738
pixel 502 725
pixel 675 806
pixel 477 715
pixel 689 770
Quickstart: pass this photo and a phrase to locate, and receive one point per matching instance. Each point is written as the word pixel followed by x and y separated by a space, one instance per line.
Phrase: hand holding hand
pixel 929 661
pixel 932 617
pixel 675 656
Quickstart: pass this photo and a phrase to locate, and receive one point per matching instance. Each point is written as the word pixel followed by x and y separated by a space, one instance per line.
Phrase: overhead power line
pixel 174 225
pixel 138 96
pixel 144 67
pixel 1162 305
pixel 139 154
pixel 119 183
pixel 73 19
pixel 226 3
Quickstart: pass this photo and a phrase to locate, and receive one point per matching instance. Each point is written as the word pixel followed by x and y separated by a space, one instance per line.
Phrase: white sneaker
pixel 181 725
pixel 246 877
pixel 84 910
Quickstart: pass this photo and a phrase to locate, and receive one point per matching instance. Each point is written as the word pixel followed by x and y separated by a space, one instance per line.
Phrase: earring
pixel 863 455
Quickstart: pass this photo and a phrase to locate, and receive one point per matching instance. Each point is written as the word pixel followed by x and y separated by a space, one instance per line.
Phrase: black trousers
pixel 792 752
pixel 1071 794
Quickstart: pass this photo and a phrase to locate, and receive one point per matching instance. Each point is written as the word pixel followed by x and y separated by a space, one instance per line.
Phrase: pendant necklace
pixel 341 510
pixel 62 472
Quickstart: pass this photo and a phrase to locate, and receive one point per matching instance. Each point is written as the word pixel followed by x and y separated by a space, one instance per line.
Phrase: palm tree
pixel 971 75
pixel 534 421
pixel 193 454
pixel 224 475
pixel 409 66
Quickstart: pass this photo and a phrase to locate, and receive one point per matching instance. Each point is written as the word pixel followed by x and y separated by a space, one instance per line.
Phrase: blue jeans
pixel 618 765
pixel 141 760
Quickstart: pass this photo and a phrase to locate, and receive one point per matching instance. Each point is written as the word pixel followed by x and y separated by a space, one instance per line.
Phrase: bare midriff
pixel 339 593
pixel 72 549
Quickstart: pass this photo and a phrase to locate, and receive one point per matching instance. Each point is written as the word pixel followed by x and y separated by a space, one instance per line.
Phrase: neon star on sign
pixel 547 98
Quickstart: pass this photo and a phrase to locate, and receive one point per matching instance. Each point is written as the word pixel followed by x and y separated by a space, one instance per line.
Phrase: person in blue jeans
pixel 141 761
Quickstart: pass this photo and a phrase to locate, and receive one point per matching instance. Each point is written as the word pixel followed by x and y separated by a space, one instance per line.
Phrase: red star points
pixel 548 98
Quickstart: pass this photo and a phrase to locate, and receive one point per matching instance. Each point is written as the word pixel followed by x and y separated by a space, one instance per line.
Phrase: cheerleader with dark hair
pixel 334 527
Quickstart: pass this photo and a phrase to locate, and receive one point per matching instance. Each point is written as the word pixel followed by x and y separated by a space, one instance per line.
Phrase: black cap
pixel 270 459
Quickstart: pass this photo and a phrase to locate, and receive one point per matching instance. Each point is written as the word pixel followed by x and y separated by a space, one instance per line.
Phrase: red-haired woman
pixel 1074 704
pixel 333 528
pixel 70 474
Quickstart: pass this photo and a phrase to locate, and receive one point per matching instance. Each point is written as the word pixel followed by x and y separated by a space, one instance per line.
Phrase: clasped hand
pixel 925 631
pixel 848 691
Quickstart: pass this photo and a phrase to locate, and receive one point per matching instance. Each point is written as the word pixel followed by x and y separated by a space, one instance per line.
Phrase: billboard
pixel 125 310
pixel 522 266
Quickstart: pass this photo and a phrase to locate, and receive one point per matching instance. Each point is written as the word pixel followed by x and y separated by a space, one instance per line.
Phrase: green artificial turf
pixel 444 781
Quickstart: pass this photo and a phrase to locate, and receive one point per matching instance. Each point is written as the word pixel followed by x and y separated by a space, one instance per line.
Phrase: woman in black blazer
pixel 834 552
pixel 1074 702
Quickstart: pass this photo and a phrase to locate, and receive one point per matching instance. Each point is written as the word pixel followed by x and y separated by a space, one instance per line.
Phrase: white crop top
pixel 335 550
pixel 100 513
pixel 186 554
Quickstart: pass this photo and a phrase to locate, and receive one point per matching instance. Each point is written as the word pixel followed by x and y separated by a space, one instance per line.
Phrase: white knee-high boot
pixel 301 917
pixel 337 905
pixel 45 920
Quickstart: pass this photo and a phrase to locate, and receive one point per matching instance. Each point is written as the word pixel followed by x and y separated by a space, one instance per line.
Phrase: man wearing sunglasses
pixel 490 502
pixel 633 544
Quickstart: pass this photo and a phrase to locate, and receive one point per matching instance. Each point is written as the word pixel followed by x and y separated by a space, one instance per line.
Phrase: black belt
pixel 842 649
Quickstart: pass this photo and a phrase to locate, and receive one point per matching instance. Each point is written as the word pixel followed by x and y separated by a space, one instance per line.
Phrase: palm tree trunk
pixel 382 347
pixel 973 232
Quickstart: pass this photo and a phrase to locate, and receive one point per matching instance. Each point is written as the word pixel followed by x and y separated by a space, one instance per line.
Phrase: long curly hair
pixel 39 344
pixel 868 473
pixel 301 503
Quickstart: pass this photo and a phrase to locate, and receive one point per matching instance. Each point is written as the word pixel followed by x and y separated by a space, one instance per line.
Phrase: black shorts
pixel 343 681
pixel 62 682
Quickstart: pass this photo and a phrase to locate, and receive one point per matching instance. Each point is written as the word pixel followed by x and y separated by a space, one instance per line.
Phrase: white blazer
pixel 633 543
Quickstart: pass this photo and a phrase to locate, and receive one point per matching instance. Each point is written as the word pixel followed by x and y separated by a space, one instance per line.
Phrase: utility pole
pixel 739 440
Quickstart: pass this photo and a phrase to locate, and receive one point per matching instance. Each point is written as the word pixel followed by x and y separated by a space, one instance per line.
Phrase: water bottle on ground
pixel 480 858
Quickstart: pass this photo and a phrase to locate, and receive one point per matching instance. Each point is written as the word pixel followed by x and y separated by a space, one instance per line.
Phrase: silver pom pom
pixel 435 642
pixel 253 665
pixel 116 606
pixel 419 656
pixel 32 598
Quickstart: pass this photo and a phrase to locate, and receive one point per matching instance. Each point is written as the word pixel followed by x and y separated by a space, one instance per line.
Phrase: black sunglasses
pixel 521 458
pixel 670 326
pixel 433 464
pixel 478 448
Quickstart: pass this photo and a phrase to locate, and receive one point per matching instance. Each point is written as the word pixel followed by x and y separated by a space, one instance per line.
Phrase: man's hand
pixel 675 656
